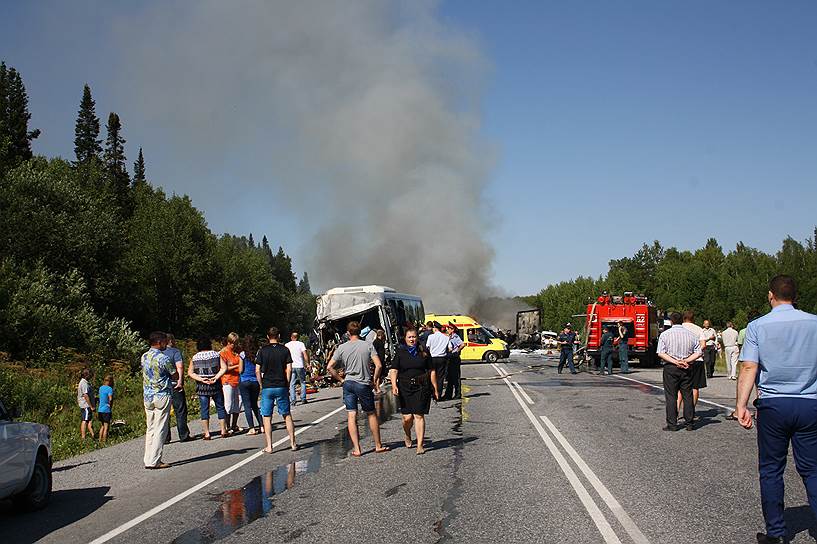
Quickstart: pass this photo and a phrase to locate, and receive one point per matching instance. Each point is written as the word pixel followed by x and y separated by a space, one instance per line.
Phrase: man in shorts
pixel 85 400
pixel 273 369
pixel 354 356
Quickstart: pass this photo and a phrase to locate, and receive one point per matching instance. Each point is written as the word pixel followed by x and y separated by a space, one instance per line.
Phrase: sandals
pixel 253 432
pixel 383 449
pixel 357 454
pixel 207 437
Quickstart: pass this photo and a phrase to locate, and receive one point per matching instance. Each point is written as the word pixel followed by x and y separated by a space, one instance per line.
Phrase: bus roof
pixel 360 289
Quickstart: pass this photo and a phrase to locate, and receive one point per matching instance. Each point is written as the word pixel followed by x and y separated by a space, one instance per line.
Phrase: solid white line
pixel 522 391
pixel 625 520
pixel 661 388
pixel 589 504
pixel 170 502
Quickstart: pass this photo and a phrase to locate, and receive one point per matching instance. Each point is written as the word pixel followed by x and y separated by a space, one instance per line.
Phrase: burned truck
pixel 373 306
pixel 528 323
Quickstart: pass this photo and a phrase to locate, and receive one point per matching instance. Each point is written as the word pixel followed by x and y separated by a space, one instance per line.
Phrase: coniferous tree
pixel 139 169
pixel 5 141
pixel 115 155
pixel 17 118
pixel 303 286
pixel 86 131
pixel 252 242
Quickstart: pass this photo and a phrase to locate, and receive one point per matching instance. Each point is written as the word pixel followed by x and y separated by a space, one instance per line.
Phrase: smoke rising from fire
pixel 366 116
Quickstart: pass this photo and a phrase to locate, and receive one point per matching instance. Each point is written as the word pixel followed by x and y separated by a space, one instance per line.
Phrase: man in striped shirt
pixel 678 347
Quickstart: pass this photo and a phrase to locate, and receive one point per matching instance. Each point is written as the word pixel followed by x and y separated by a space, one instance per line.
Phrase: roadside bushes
pixel 41 311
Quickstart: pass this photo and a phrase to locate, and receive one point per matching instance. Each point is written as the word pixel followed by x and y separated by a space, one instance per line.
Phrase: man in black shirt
pixel 274 370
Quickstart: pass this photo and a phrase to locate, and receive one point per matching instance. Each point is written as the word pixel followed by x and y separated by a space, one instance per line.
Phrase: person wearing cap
pixel 607 350
pixel 438 345
pixel 566 340
pixel 779 356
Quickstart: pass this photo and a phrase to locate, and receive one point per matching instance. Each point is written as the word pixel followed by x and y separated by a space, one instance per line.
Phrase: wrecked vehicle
pixel 374 306
pixel 527 328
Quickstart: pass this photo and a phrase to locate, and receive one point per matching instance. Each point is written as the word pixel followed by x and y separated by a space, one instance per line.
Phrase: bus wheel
pixel 490 357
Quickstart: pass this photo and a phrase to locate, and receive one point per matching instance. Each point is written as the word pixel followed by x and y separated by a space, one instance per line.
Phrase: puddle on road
pixel 240 507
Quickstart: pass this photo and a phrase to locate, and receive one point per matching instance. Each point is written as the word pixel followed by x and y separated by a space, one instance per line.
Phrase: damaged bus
pixel 374 306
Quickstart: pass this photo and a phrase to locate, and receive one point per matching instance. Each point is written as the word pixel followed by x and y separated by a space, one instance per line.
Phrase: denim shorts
pixel 354 392
pixel 204 405
pixel 275 395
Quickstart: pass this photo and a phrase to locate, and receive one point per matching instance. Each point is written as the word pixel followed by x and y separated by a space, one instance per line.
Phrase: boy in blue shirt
pixel 105 407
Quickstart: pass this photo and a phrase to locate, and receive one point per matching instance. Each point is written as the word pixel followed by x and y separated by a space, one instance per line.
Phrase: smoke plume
pixel 365 115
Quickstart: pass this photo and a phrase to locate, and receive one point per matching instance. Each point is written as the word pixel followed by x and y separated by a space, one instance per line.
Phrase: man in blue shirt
pixel 179 399
pixel 779 355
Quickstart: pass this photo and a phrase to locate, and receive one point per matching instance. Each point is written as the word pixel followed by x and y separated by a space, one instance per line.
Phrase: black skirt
pixel 414 398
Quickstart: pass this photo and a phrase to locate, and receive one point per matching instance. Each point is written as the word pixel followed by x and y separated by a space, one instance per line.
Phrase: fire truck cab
pixel 637 314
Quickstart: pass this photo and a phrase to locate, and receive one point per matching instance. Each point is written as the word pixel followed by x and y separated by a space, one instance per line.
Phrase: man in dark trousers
pixel 678 347
pixel 179 398
pixel 566 340
pixel 607 350
pixel 623 347
pixel 779 355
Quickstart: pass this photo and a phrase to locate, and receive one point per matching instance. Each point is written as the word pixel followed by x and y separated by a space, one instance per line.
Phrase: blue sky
pixel 614 124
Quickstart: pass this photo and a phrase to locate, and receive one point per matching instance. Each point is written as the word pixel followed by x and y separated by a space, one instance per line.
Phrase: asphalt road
pixel 531 457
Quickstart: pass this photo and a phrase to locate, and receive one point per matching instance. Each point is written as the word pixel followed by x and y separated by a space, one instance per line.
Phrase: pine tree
pixel 303 286
pixel 252 242
pixel 139 169
pixel 115 155
pixel 17 118
pixel 282 270
pixel 15 138
pixel 86 131
pixel 5 141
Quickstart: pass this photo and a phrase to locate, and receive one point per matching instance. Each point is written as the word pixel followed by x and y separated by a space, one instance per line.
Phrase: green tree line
pixel 715 285
pixel 92 257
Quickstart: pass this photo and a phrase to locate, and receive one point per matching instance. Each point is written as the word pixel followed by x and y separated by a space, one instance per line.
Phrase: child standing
pixel 105 407
pixel 85 400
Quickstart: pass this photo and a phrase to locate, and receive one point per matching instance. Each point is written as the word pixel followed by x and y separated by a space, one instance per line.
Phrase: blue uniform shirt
pixel 784 344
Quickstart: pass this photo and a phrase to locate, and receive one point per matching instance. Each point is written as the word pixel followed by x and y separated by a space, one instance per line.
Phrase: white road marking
pixel 502 371
pixel 589 504
pixel 623 518
pixel 170 502
pixel 522 391
pixel 661 388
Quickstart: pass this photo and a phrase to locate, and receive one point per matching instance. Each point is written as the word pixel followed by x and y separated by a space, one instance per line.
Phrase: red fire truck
pixel 639 316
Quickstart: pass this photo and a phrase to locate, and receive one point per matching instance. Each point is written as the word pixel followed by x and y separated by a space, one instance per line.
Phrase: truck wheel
pixel 490 357
pixel 36 495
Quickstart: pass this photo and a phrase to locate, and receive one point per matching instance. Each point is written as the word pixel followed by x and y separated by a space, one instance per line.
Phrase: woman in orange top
pixel 229 382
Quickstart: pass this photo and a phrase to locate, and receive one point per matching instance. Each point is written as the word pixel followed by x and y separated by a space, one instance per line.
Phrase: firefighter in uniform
pixel 566 341
pixel 607 350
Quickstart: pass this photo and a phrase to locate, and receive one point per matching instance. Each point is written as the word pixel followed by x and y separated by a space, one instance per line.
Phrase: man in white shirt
pixel 697 367
pixel 300 358
pixel 709 339
pixel 438 347
pixel 729 337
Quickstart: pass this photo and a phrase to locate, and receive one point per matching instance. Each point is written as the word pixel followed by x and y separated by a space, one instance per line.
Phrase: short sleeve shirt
pixel 84 388
pixel 454 341
pixel 296 350
pixel 410 366
pixel 231 377
pixel 355 355
pixel 784 344
pixel 156 371
pixel 105 396
pixel 174 355
pixel 273 359
pixel 437 344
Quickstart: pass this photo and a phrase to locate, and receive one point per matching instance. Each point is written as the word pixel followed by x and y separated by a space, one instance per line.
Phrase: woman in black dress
pixel 412 380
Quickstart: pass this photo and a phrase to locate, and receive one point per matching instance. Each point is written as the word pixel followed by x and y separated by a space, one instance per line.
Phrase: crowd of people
pixel 778 357
pixel 262 379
